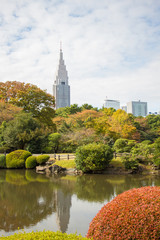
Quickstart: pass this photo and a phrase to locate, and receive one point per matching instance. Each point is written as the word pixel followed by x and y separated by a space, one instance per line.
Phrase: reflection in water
pixel 20 201
pixel 63 210
pixel 28 199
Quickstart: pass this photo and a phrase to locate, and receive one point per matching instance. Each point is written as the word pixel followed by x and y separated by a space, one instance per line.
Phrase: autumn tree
pixel 30 98
pixel 122 124
pixel 8 111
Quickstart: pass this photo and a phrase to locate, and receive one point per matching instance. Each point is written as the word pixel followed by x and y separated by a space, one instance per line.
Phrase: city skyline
pixel 111 47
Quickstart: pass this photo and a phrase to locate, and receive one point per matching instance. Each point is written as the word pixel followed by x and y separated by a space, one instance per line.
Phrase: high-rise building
pixel 108 103
pixel 137 108
pixel 61 89
pixel 124 108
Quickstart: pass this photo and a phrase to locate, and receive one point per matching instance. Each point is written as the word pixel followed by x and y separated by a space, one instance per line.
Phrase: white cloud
pixel 110 47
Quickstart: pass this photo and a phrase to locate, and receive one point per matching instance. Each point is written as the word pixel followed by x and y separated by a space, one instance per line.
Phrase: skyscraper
pixel 61 89
pixel 137 108
pixel 108 103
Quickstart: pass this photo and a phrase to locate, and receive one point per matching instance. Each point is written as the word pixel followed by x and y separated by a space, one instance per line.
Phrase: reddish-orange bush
pixel 134 214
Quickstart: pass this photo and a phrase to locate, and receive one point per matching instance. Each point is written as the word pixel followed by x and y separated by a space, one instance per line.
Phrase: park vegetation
pixel 22 159
pixel 44 235
pixel 133 214
pixel 29 122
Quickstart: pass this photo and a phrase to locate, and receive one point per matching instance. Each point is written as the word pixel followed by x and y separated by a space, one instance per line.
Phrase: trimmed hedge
pixel 93 157
pixel 42 159
pixel 134 214
pixel 16 159
pixel 2 161
pixel 31 162
pixel 44 235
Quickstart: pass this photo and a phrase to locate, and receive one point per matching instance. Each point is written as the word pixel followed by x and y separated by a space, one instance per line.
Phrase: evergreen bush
pixel 2 161
pixel 31 162
pixel 44 235
pixel 129 162
pixel 134 214
pixel 123 145
pixel 16 159
pixel 93 157
pixel 41 159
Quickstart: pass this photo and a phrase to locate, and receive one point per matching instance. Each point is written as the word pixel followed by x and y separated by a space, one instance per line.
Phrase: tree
pixel 8 111
pixel 122 124
pixel 156 153
pixel 65 111
pixel 86 106
pixel 123 145
pixel 30 98
pixel 53 143
pixel 20 131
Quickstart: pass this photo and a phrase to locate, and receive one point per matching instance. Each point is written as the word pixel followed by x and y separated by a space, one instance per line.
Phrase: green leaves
pixel 93 157
pixel 44 235
pixel 21 131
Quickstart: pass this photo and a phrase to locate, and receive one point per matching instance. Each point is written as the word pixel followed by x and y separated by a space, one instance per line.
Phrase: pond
pixel 67 203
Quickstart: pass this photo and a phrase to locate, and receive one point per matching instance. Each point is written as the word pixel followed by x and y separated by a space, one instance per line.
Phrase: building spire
pixel 60 45
pixel 61 89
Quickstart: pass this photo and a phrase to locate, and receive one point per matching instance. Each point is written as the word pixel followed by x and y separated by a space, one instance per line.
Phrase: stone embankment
pixel 51 168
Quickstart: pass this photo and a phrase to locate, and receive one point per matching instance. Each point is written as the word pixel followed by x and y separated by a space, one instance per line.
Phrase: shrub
pixel 31 162
pixel 123 145
pixel 129 162
pixel 2 161
pixel 44 235
pixel 42 159
pixel 142 152
pixel 93 157
pixel 134 214
pixel 16 159
pixel 156 161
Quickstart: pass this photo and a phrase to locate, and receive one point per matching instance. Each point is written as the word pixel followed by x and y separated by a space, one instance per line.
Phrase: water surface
pixel 33 201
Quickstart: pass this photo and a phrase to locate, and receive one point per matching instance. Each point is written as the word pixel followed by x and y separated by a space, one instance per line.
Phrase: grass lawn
pixel 66 163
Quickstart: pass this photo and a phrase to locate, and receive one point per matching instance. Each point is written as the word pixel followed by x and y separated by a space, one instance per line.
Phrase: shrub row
pixel 21 159
pixel 44 235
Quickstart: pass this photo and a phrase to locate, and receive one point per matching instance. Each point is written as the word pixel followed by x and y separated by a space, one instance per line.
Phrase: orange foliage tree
pixel 30 98
pixel 116 124
pixel 8 111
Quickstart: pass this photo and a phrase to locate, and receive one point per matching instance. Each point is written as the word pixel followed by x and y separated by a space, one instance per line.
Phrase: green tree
pixel 123 145
pixel 53 143
pixel 142 152
pixel 20 131
pixel 86 106
pixel 156 153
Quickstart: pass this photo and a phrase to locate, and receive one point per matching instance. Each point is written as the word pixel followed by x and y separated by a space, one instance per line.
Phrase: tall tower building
pixel 137 108
pixel 61 89
pixel 108 103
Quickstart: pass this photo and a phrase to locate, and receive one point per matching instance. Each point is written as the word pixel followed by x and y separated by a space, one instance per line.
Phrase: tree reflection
pixel 94 188
pixel 27 198
pixel 24 203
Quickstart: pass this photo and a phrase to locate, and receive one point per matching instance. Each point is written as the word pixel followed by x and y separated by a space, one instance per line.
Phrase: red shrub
pixel 134 214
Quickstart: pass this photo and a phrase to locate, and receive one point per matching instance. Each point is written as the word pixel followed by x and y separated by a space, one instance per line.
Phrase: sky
pixel 111 48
